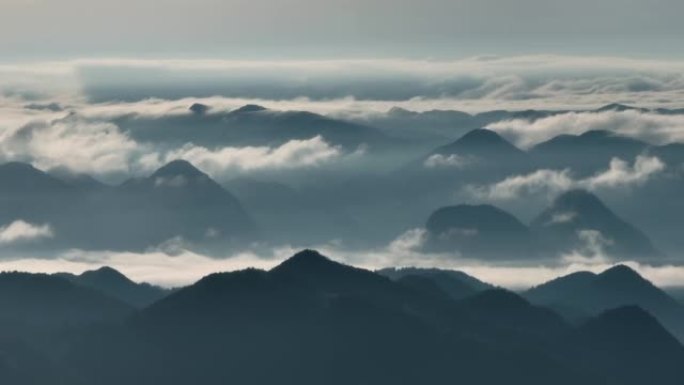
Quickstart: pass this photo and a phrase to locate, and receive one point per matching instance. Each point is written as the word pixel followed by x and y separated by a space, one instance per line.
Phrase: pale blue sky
pixel 340 28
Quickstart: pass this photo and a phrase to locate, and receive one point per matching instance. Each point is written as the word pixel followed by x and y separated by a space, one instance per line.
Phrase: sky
pixel 337 28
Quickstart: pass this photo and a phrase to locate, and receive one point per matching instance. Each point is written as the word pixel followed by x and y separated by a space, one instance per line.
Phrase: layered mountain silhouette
pixel 584 294
pixel 482 147
pixel 597 148
pixel 481 231
pixel 577 219
pixel 676 293
pixel 502 309
pixel 251 125
pixel 576 222
pixel 613 336
pixel 176 202
pixel 116 285
pixel 311 320
pixel 42 301
pixel 455 284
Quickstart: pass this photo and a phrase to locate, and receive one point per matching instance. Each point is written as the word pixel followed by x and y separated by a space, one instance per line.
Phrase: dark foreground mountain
pixel 314 321
pixel 53 301
pixel 585 294
pixel 676 293
pixel 456 284
pixel 631 341
pixel 116 285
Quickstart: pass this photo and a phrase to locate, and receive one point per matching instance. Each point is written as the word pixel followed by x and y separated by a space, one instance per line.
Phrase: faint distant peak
pixel 249 108
pixel 199 108
pixel 177 168
pixel 616 107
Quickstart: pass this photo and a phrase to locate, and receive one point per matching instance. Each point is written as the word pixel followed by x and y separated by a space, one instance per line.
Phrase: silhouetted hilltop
pixel 456 284
pixel 632 343
pixel 116 285
pixel 505 309
pixel 52 302
pixel 479 231
pixel 484 145
pixel 597 149
pixel 615 287
pixel 577 211
pixel 311 320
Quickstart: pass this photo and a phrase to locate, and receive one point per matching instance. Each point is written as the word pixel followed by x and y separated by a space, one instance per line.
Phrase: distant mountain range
pixel 575 211
pixel 251 125
pixel 576 221
pixel 392 186
pixel 582 295
pixel 177 201
pixel 436 126
pixel 586 153
pixel 116 285
pixel 311 320
pixel 480 231
pixel 456 284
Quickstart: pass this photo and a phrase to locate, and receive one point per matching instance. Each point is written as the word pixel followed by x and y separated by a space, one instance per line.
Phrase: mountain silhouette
pixel 456 284
pixel 299 321
pixel 618 286
pixel 479 231
pixel 23 178
pixel 252 125
pixel 47 301
pixel 576 211
pixel 178 201
pixel 618 108
pixel 631 343
pixel 116 285
pixel 311 320
pixel 199 108
pixel 598 148
pixel 505 309
pixel 484 146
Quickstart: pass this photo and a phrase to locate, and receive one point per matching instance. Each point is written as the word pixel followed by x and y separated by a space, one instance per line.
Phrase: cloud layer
pixel 548 183
pixel 292 154
pixel 650 127
pixel 479 83
pixel 183 267
pixel 20 231
pixel 99 147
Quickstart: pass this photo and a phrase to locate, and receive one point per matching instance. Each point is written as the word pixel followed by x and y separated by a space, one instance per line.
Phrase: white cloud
pixel 21 231
pixel 592 250
pixel 447 161
pixel 620 174
pixel 651 127
pixel 565 217
pixel 183 267
pixel 97 147
pixel 551 182
pixel 546 182
pixel 290 155
pixel 80 145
